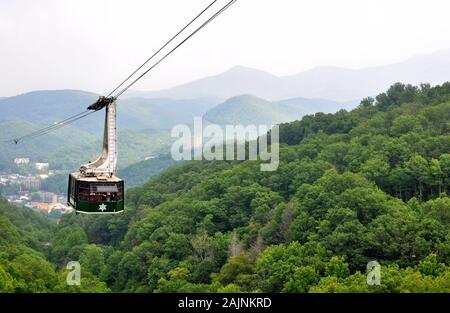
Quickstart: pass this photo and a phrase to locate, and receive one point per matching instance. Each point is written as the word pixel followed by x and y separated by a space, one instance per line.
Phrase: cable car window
pixel 104 188
pixel 83 191
pixel 120 192
pixel 100 193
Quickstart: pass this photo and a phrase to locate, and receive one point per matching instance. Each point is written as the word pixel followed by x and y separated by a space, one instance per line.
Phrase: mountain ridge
pixel 249 109
pixel 43 107
pixel 329 82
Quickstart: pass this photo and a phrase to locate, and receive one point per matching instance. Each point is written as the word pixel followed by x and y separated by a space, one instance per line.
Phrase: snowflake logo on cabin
pixel 102 207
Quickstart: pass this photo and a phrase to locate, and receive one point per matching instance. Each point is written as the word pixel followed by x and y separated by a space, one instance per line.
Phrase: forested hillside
pixel 25 244
pixel 49 106
pixel 248 109
pixel 140 172
pixel 62 148
pixel 352 187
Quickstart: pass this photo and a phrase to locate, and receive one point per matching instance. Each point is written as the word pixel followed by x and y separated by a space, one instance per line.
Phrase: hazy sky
pixel 93 44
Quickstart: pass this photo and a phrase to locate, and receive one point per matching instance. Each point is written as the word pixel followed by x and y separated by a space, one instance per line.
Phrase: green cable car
pixel 94 189
pixel 88 195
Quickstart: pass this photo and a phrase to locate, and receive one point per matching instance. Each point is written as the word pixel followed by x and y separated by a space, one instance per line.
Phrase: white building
pixel 41 166
pixel 21 161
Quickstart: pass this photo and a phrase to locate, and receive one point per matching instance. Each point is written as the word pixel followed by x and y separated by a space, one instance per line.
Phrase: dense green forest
pixel 25 247
pixel 352 187
pixel 138 173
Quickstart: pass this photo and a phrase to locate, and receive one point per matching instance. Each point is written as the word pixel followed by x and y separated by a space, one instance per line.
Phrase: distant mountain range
pixel 238 96
pixel 248 109
pixel 220 98
pixel 138 113
pixel 144 124
pixel 41 108
pixel 325 82
pixel 45 107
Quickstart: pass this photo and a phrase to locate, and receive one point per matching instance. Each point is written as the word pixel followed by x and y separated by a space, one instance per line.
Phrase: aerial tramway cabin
pixel 90 195
pixel 95 189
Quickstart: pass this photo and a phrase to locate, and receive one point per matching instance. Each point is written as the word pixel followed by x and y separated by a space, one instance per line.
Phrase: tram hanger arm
pixel 101 103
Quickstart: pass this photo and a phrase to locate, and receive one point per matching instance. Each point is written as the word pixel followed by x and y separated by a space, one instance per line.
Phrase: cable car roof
pixel 93 179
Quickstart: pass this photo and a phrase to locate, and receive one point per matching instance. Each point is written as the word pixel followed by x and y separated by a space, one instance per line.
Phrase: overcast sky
pixel 93 44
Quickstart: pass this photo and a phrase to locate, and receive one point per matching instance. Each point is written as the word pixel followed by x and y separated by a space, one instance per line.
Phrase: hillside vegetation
pixel 50 106
pixel 69 147
pixel 251 110
pixel 140 172
pixel 25 244
pixel 372 184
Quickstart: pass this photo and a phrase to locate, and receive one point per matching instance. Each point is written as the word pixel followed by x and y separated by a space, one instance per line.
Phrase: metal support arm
pixel 105 165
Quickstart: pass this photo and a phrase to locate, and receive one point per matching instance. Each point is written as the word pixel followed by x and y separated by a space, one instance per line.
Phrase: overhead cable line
pixel 177 46
pixel 160 49
pixel 53 127
pixel 85 113
pixel 56 124
pixel 49 128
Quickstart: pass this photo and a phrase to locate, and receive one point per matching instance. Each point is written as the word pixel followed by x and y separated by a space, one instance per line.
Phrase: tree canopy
pixel 372 184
